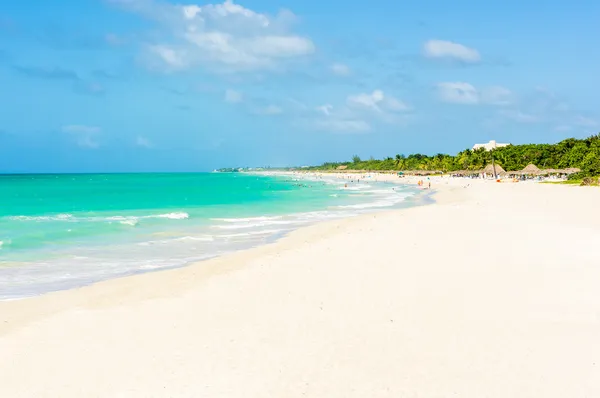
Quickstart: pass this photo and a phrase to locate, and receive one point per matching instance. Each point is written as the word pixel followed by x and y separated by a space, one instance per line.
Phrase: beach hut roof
pixel 489 169
pixel 342 167
pixel 570 170
pixel 531 169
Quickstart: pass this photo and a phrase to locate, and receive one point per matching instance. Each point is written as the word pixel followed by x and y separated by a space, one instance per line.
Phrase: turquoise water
pixel 62 231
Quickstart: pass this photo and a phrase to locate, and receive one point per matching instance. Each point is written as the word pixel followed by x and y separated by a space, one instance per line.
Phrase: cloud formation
pixel 219 36
pixel 450 50
pixel 360 112
pixel 377 101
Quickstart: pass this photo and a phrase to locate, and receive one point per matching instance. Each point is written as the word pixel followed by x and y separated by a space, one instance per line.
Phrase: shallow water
pixel 64 231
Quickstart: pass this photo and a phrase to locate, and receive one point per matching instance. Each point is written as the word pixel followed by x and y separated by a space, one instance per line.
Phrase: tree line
pixel 569 153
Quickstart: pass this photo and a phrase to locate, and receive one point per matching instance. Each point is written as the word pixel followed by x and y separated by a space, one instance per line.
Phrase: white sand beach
pixel 491 292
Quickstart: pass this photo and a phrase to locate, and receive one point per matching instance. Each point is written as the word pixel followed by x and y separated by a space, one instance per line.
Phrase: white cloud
pixel 233 96
pixel 143 142
pixel 219 36
pixel 396 105
pixel 450 50
pixel 325 109
pixel 340 119
pixel 370 101
pixel 340 69
pixel 358 114
pixel 458 93
pixel 83 135
pixel 377 101
pixel 173 58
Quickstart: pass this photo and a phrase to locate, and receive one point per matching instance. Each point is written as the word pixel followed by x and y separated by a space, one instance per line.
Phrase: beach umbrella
pixel 489 169
pixel 531 169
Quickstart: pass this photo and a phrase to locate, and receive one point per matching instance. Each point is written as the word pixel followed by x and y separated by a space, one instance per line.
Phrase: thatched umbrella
pixel 342 167
pixel 571 170
pixel 531 169
pixel 489 169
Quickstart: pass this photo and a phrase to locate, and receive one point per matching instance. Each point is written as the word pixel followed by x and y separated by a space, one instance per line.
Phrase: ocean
pixel 64 231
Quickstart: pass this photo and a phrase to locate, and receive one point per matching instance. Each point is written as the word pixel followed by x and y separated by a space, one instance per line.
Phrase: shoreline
pixel 215 264
pixel 219 236
pixel 484 291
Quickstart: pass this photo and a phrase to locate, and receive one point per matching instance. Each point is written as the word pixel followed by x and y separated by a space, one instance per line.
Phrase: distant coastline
pixel 577 158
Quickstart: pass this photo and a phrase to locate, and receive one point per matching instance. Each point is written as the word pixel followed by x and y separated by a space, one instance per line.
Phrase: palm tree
pixel 399 162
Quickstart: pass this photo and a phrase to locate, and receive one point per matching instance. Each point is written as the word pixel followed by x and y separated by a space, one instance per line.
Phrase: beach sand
pixel 490 292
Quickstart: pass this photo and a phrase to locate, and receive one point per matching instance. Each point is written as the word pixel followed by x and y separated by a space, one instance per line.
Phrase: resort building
pixel 489 146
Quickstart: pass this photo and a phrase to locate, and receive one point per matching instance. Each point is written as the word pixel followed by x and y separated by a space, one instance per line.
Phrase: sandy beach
pixel 490 292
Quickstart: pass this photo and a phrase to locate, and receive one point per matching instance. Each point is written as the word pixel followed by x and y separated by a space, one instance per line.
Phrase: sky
pixel 160 85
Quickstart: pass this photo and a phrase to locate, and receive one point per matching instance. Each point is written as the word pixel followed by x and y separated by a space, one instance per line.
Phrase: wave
pixel 356 188
pixel 127 220
pixel 58 217
pixel 380 191
pixel 4 243
pixel 172 216
pixel 206 238
pixel 289 221
pixel 387 202
pixel 248 219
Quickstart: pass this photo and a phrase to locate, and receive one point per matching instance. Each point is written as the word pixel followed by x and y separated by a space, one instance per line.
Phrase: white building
pixel 489 146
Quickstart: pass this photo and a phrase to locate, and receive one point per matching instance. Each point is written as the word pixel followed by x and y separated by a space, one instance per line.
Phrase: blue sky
pixel 154 85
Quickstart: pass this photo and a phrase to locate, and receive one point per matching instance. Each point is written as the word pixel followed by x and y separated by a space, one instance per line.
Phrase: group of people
pixel 421 183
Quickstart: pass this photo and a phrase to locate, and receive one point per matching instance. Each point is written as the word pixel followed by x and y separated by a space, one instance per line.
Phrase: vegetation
pixel 587 181
pixel 570 153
